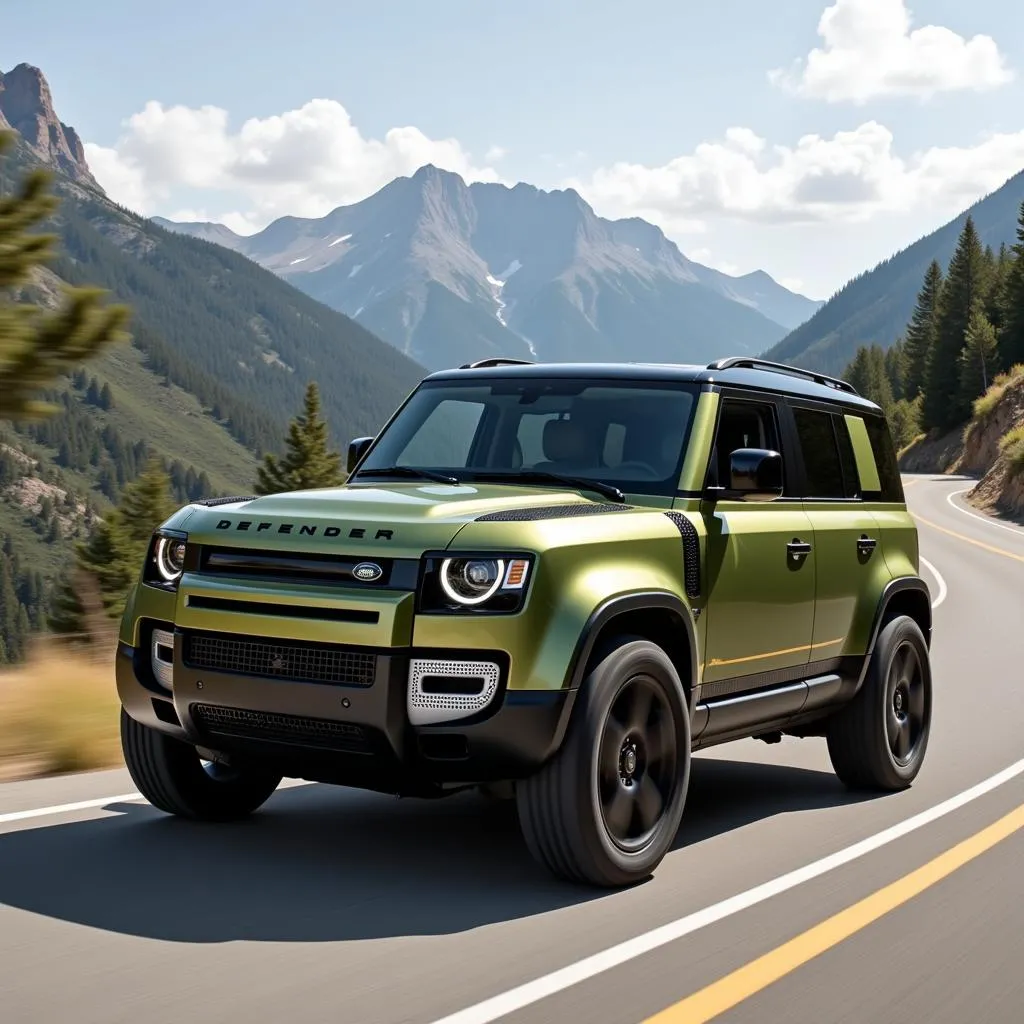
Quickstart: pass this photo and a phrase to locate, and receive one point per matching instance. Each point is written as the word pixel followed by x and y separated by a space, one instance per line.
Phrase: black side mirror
pixel 755 474
pixel 356 450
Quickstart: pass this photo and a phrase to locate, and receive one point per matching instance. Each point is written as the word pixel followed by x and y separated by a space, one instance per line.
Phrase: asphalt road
pixel 346 907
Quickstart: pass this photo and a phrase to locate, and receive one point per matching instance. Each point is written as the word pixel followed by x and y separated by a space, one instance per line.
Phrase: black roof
pixel 741 372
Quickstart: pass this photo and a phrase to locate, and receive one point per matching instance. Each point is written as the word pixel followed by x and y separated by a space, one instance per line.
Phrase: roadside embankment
pixel 990 448
pixel 58 713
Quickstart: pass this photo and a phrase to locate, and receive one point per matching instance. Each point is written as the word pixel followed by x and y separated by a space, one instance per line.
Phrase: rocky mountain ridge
pixel 449 271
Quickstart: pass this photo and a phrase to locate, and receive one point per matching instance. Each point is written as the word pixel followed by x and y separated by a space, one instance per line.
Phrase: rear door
pixel 849 563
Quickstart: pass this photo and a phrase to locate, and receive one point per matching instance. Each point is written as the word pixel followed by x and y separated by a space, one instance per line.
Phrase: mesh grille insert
pixel 276 659
pixel 268 725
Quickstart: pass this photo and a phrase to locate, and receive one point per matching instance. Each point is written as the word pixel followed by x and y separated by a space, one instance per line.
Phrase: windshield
pixel 628 434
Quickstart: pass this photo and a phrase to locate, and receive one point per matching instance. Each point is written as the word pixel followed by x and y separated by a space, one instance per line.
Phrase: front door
pixel 760 566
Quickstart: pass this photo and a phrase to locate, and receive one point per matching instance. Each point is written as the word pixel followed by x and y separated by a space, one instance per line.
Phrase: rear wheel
pixel 606 809
pixel 878 741
pixel 171 775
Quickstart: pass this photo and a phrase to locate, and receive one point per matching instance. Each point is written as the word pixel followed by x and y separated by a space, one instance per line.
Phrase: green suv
pixel 551 583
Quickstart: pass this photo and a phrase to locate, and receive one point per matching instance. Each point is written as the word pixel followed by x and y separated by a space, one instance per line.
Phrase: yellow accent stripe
pixel 971 540
pixel 756 976
pixel 775 654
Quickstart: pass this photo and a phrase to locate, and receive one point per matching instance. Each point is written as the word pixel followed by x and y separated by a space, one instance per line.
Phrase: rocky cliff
pixel 994 448
pixel 26 105
pixel 990 448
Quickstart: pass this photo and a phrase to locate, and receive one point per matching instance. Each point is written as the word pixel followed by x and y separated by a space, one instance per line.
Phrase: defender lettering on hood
pixel 303 529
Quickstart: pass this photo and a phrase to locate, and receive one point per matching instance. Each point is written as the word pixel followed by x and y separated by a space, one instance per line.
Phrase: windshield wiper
pixel 425 474
pixel 543 476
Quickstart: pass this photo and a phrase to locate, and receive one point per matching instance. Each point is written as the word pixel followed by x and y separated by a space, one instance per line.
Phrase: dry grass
pixel 984 405
pixel 59 712
pixel 1012 446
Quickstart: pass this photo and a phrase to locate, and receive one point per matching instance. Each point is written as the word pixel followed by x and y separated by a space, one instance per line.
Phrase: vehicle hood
pixel 400 519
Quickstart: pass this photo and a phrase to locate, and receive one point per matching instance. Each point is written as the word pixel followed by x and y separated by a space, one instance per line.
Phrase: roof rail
pixel 753 364
pixel 496 361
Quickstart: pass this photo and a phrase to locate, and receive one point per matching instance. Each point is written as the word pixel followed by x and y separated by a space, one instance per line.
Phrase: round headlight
pixel 170 557
pixel 471 580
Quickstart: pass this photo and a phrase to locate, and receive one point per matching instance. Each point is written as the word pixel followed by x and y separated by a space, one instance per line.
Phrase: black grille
pixel 272 727
pixel 276 659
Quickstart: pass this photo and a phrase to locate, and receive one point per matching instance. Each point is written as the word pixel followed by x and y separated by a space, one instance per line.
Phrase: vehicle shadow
pixel 322 864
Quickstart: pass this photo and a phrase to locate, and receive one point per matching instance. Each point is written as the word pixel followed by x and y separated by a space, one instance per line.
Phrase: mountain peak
pixel 26 105
pixel 430 172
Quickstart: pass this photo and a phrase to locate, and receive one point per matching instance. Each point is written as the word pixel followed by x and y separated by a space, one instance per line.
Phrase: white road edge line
pixel 550 984
pixel 988 520
pixel 101 801
pixel 943 589
pixel 81 805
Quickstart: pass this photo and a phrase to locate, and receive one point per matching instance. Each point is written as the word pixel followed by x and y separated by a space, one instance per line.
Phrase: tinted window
pixel 630 434
pixel 885 458
pixel 741 424
pixel 822 461
pixel 445 436
pixel 850 474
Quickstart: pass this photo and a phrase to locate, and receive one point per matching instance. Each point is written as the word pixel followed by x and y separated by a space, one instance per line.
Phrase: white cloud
pixel 850 178
pixel 494 154
pixel 304 162
pixel 870 50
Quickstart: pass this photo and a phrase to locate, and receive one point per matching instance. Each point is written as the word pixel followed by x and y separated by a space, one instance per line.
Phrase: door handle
pixel 866 544
pixel 798 548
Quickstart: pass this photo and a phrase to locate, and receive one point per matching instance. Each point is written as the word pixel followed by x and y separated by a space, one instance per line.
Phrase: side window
pixel 848 457
pixel 741 424
pixel 822 460
pixel 885 458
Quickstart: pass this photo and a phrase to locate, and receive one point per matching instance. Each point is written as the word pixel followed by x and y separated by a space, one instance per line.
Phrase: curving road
pixel 356 909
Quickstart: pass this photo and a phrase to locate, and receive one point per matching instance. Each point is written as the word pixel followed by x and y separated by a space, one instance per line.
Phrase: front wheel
pixel 606 809
pixel 878 741
pixel 173 778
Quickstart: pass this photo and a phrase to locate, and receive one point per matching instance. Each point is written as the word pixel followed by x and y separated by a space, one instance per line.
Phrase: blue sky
pixel 629 102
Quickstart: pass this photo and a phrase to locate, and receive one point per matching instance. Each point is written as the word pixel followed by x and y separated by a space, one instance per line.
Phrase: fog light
pixel 162 657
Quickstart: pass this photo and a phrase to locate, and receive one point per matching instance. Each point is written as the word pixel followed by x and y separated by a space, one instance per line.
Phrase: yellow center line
pixel 969 540
pixel 756 976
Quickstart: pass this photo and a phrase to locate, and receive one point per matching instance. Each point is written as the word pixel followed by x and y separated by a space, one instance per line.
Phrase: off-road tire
pixel 858 738
pixel 561 811
pixel 172 777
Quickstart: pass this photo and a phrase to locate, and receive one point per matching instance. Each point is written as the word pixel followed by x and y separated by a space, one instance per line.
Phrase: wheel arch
pixel 658 616
pixel 905 595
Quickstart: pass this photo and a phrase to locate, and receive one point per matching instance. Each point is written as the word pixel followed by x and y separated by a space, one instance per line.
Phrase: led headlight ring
pixel 463 577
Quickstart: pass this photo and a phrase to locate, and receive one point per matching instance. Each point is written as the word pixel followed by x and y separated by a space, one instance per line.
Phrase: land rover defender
pixel 554 582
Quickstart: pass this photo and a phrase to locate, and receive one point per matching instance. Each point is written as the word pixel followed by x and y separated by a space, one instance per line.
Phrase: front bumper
pixel 354 729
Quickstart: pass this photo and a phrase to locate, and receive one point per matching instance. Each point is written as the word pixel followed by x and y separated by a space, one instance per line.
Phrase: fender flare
pixel 899 585
pixel 598 619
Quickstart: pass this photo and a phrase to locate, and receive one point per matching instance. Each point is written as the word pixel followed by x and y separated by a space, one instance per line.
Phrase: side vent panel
pixel 691 553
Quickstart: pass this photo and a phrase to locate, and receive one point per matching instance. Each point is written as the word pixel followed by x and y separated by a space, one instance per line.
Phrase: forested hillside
pixel 965 331
pixel 874 307
pixel 219 356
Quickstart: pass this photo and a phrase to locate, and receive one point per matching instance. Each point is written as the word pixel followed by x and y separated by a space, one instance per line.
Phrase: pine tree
pixel 944 406
pixel 37 346
pixel 920 335
pixel 978 357
pixel 895 362
pixel 1011 336
pixel 114 553
pixel 308 462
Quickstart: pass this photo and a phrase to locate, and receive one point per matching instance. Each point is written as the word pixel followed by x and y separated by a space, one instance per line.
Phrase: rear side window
pixel 828 473
pixel 885 458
